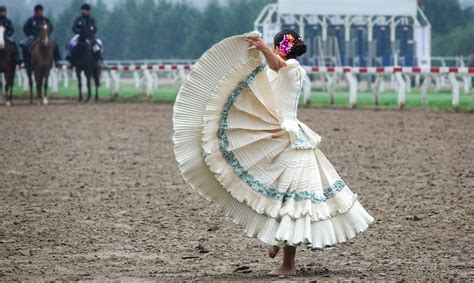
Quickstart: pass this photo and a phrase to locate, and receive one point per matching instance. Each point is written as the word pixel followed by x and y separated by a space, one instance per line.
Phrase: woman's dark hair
pixel 297 50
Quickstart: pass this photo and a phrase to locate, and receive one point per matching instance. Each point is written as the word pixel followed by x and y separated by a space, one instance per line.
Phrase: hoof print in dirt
pixel 213 228
pixel 202 249
pixel 243 269
pixel 190 257
pixel 413 218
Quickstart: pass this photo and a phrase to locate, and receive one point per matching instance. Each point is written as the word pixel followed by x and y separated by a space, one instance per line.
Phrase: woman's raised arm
pixel 274 61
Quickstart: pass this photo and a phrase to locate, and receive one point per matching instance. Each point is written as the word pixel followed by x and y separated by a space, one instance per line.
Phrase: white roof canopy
pixel 349 7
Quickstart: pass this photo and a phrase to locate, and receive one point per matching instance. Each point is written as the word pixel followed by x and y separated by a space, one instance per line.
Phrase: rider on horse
pixel 9 31
pixel 81 22
pixel 32 29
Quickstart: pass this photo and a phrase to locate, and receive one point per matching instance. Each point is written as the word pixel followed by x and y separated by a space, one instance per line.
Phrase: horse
pixel 7 65
pixel 41 56
pixel 84 60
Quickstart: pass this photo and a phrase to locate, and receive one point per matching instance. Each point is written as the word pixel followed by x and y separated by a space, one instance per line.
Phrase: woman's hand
pixel 256 43
pixel 274 61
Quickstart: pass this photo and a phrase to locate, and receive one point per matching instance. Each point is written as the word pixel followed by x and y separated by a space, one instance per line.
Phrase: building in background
pixel 466 3
pixel 359 33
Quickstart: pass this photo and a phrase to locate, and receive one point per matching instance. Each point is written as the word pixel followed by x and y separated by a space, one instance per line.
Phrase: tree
pixel 162 29
pixel 444 15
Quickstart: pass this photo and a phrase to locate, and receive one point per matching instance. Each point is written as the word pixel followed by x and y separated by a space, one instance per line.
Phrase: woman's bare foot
pixel 287 268
pixel 283 271
pixel 273 251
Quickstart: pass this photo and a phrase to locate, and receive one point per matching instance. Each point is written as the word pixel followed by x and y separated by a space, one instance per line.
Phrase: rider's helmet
pixel 86 7
pixel 39 7
pixel 3 9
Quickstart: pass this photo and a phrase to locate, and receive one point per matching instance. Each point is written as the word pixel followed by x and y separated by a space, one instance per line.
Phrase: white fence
pixel 147 77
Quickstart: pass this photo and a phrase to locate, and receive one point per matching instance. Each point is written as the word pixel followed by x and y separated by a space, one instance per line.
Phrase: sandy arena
pixel 93 192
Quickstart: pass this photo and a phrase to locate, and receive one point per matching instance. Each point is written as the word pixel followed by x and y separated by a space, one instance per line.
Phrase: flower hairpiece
pixel 285 45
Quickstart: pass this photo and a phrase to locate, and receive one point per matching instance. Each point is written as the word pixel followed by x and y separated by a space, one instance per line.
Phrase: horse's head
pixel 2 37
pixel 86 33
pixel 45 32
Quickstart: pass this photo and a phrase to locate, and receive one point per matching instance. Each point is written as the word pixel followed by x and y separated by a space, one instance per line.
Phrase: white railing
pixel 148 78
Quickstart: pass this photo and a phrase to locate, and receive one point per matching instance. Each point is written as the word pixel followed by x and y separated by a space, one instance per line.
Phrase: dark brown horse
pixel 84 60
pixel 41 54
pixel 7 65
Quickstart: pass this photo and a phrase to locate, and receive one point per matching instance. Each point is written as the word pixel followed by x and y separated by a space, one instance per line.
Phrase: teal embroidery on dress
pixel 302 142
pixel 239 170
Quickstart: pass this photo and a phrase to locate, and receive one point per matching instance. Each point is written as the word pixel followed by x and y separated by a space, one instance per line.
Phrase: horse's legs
pixel 9 82
pixel 39 85
pixel 10 99
pixel 88 82
pixel 30 81
pixel 79 83
pixel 8 93
pixel 95 74
pixel 1 88
pixel 45 95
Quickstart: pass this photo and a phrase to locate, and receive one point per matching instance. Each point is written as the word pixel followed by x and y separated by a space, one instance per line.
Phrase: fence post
pixel 148 82
pixel 401 90
pixel 25 81
pixel 156 84
pixel 437 84
pixel 54 81
pixel 466 84
pixel 19 77
pixel 407 79
pixel 377 89
pixel 115 80
pixel 417 81
pixel 424 89
pixel 136 79
pixel 330 82
pixel 65 78
pixel 455 91
pixel 306 90
pixel 352 89
pixel 106 77
pixel 393 83
pixel 442 81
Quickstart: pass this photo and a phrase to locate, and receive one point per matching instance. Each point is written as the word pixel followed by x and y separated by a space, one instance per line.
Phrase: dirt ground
pixel 93 192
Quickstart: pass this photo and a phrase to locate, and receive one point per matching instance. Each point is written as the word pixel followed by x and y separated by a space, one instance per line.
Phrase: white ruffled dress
pixel 238 142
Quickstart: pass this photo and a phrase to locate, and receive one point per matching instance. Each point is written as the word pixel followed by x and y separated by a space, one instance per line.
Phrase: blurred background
pixel 366 33
pixel 145 29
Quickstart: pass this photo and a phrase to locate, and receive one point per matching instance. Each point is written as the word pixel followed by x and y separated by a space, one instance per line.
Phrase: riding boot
pixel 26 59
pixel 25 46
pixel 57 56
pixel 17 54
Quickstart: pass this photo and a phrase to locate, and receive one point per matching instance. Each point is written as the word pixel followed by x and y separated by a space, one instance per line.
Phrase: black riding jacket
pixel 8 25
pixel 32 25
pixel 84 21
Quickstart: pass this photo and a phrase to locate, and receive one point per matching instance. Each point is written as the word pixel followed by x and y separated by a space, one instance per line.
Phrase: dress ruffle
pixel 231 148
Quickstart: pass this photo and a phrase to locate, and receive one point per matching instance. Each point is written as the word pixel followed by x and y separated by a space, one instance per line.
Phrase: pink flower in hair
pixel 285 45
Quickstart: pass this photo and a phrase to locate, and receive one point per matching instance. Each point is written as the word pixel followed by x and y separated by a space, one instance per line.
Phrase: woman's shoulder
pixel 292 70
pixel 292 62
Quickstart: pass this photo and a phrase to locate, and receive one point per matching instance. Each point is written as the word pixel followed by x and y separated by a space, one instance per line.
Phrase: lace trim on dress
pixel 301 142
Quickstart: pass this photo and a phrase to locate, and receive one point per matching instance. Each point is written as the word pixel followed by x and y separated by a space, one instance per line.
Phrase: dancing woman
pixel 238 142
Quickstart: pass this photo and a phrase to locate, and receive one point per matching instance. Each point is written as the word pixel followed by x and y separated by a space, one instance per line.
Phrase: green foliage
pixel 162 29
pixel 458 41
pixel 444 15
pixel 452 27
